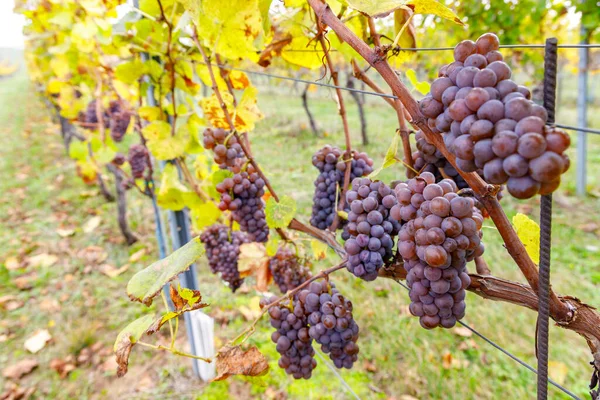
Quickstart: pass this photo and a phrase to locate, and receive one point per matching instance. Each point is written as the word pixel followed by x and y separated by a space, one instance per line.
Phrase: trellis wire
pixel 502 46
pixel 388 96
pixel 543 321
pixel 509 354
pixel 337 374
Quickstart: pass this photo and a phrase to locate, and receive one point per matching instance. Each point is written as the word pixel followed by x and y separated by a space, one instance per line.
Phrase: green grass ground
pixel 84 309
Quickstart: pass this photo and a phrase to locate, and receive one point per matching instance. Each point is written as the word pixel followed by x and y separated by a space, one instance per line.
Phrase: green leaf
pixel 129 72
pixel 279 215
pixel 78 150
pixel 529 233
pixel 147 283
pixel 172 193
pixel 422 87
pixel 127 338
pixel 105 155
pixel 272 245
pixel 390 157
pixel 204 215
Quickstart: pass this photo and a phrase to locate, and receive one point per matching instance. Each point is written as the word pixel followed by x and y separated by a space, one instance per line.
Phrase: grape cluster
pixel 291 337
pixel 228 152
pixel 138 158
pixel 90 115
pixel 119 120
pixel 289 271
pixel 119 159
pixel 330 163
pixel 331 323
pixel 442 231
pixel 491 124
pixel 370 230
pixel 222 250
pixel 242 195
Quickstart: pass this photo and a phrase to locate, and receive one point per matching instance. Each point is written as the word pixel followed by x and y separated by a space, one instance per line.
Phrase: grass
pixel 398 358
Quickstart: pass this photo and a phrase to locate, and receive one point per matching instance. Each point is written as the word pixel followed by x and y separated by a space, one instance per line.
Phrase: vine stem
pixel 252 327
pixel 173 351
pixel 396 105
pixel 187 175
pixel 342 112
pixel 486 193
pixel 171 64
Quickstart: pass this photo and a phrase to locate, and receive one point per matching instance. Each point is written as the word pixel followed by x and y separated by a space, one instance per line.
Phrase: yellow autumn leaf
pixel 319 249
pixel 302 52
pixel 244 116
pixel 377 8
pixel 239 80
pixel 161 143
pixel 529 233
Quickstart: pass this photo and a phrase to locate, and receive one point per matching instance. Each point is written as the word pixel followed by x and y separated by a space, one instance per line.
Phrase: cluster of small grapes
pixel 120 117
pixel 222 250
pixel 228 152
pixel 291 337
pixel 329 161
pixel 242 193
pixel 139 159
pixel 331 323
pixel 90 115
pixel 289 271
pixel 442 232
pixel 491 123
pixel 370 230
pixel 428 158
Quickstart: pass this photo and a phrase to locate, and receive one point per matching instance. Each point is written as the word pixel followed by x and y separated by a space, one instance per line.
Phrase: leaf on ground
pixel 37 341
pixel 62 366
pixel 20 369
pixel 253 260
pixel 111 271
pixel 462 331
pixel 137 256
pixel 93 255
pixel 252 311
pixel 10 302
pixel 127 338
pixel 12 263
pixel 235 361
pixel 65 232
pixel 558 371
pixel 147 283
pixel 92 224
pixel 280 214
pixel 529 233
pixel 25 282
pixel 43 260
pixel 12 391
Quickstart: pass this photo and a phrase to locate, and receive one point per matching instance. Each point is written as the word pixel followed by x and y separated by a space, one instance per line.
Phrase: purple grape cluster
pixel 291 337
pixel 490 123
pixel 289 271
pixel 242 195
pixel 370 230
pixel 330 163
pixel 442 232
pixel 227 151
pixel 119 117
pixel 222 250
pixel 90 115
pixel 139 159
pixel 330 321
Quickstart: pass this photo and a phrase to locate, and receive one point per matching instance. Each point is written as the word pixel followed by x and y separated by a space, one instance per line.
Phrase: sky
pixel 11 26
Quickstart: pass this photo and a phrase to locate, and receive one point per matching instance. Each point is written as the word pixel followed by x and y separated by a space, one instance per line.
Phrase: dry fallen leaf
pixel 10 302
pixel 43 260
pixel 38 341
pixel 111 271
pixel 49 305
pixel 92 224
pixel 63 367
pixel 12 263
pixel 252 311
pixel 25 282
pixel 448 361
pixel 462 331
pixel 253 260
pixel 235 361
pixel 137 256
pixel 65 232
pixel 15 392
pixel 93 255
pixel 369 366
pixel 20 369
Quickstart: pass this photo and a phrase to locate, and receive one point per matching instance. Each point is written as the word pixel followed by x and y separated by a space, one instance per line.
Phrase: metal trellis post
pixel 582 98
pixel 550 69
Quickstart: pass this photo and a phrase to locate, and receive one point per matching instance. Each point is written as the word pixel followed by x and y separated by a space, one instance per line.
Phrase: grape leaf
pixel 422 87
pixel 127 338
pixel 279 215
pixel 172 194
pixel 161 143
pixel 78 150
pixel 129 72
pixel 235 361
pixel 203 215
pixel 306 57
pixel 319 249
pixel 253 260
pixel 529 233
pixel 379 8
pixel 390 156
pixel 147 283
